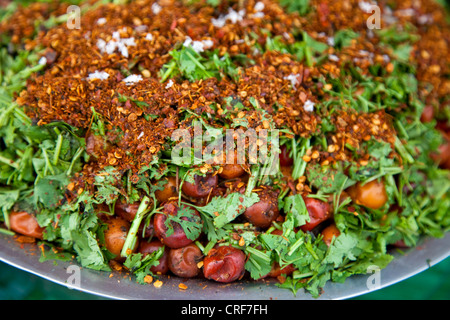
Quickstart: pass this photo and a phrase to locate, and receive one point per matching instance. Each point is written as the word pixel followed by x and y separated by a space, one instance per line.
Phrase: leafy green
pixel 295 205
pixel 108 184
pixel 328 179
pixel 50 189
pixel 343 38
pixel 192 65
pixel 225 209
pixel 140 265
pixel 300 6
pixel 308 49
pixel 191 223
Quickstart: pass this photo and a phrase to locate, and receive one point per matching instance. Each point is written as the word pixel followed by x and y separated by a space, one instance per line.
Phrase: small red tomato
pixel 169 190
pixel 26 224
pixel 427 114
pixel 262 213
pixel 115 235
pixel 125 210
pixel 371 194
pixel 148 247
pixel 285 159
pixel 442 156
pixel 201 187
pixel 329 233
pixel 318 210
pixel 277 271
pixel 183 262
pixel 224 264
pixel 231 168
pixel 178 238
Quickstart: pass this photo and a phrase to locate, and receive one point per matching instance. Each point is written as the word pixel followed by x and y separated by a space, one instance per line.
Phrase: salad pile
pixel 227 140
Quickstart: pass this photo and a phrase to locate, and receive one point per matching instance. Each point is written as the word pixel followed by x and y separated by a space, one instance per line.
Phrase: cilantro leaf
pixel 191 224
pixel 225 209
pixel 140 265
pixel 328 179
pixel 50 189
pixel 107 183
pixel 296 209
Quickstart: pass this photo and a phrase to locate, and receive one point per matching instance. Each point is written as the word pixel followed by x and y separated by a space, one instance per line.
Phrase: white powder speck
pixel 100 75
pixel 169 84
pixel 330 41
pixel 156 8
pixel 232 15
pixel 116 43
pixel 198 46
pixel 259 6
pixel 141 28
pixel 258 14
pixel 110 47
pixel 293 78
pixel 101 45
pixel 364 53
pixel 333 57
pixel 140 135
pixel 309 106
pixel 122 49
pixel 208 43
pixel 219 22
pixel 365 6
pixel 149 37
pixel 235 16
pixel 134 78
pixel 43 61
pixel 425 19
pixel 101 21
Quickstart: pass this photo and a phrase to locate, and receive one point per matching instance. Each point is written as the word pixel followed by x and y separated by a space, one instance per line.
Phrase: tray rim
pixel 115 286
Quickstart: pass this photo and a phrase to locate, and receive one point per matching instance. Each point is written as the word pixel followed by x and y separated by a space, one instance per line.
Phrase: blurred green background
pixel 432 284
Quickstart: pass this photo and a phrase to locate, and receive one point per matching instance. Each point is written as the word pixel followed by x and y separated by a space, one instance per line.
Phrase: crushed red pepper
pixel 63 92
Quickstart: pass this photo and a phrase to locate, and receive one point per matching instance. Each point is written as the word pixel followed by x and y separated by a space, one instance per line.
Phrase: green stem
pixel 75 158
pixel 9 162
pixel 258 253
pixel 299 163
pixel 168 71
pixel 200 246
pixel 295 246
pixel 402 151
pixel 209 246
pixel 48 165
pixel 4 116
pixel 131 240
pixel 20 115
pixel 57 149
pixel 251 184
pixel 308 247
pixel 7 232
pixel 298 275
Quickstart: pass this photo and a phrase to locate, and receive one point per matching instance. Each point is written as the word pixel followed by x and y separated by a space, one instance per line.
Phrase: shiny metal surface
pixel 120 286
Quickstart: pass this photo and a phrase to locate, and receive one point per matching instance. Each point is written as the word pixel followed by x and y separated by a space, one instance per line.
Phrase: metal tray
pixel 118 285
